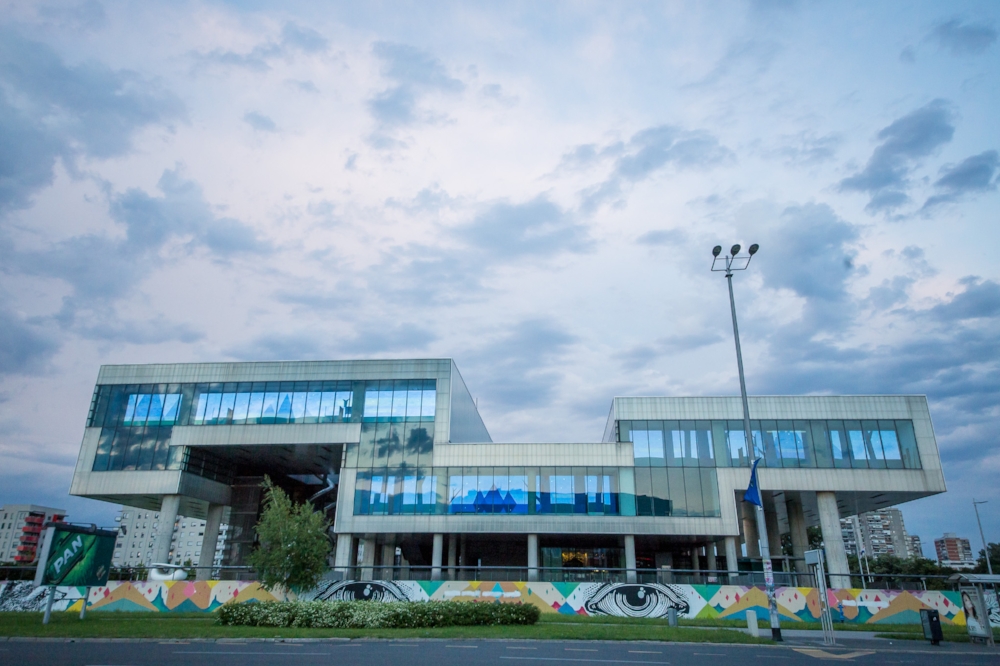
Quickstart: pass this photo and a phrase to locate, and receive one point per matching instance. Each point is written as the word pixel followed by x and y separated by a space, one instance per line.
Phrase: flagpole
pixel 765 550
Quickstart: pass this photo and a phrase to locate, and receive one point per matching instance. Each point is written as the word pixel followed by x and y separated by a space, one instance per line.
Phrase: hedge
pixel 375 615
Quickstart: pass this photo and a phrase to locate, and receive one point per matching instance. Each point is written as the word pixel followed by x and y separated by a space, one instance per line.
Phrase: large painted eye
pixel 634 600
pixel 362 591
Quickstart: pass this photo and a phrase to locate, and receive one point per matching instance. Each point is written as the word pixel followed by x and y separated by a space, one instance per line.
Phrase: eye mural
pixel 636 600
pixel 382 590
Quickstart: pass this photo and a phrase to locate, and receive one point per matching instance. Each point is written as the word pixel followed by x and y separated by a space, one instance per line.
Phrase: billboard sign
pixel 75 555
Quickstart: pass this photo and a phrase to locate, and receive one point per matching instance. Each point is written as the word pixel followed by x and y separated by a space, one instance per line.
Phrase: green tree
pixel 994 559
pixel 293 542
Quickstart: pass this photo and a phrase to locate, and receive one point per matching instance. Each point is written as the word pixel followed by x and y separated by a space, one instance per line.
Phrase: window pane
pixel 147 448
pixel 284 413
pixel 171 405
pixel 655 435
pixel 720 443
pixel 371 401
pixel 710 492
pixel 626 491
pixel 690 443
pixel 344 401
pixel 856 445
pixel 399 394
pixel 130 410
pixel 908 444
pixel 270 407
pixel 298 414
pixel 240 408
pixel 162 452
pixel 384 400
pixel 876 458
pixel 226 408
pixel 661 491
pixel 678 501
pixel 328 407
pixel 640 443
pixel 676 445
pixel 413 394
pixel 132 450
pixel 255 407
pixel 737 436
pixel 103 449
pixel 624 431
pixel 787 445
pixel 772 450
pixel 427 402
pixel 890 444
pixel 212 410
pixel 394 444
pixel 313 399
pixel 155 409
pixel 692 486
pixel 821 444
pixel 643 492
pixel 362 493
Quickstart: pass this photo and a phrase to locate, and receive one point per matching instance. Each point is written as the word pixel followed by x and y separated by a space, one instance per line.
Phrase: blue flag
pixel 752 494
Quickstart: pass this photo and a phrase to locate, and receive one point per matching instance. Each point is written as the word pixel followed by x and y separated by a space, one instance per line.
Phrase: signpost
pixel 817 562
pixel 75 556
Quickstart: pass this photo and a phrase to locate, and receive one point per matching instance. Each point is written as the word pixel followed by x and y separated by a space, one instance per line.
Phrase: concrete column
pixel 773 529
pixel 630 576
pixel 750 536
pixel 696 558
pixel 169 507
pixel 532 557
pixel 367 563
pixel 389 557
pixel 209 541
pixel 462 560
pixel 710 552
pixel 833 540
pixel 800 536
pixel 452 555
pixel 731 556
pixel 342 559
pixel 436 555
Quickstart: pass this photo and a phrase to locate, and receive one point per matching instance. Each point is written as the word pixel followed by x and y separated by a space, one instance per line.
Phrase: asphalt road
pixel 479 653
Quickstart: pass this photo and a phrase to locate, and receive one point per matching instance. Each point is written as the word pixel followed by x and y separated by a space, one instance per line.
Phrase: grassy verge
pixel 199 625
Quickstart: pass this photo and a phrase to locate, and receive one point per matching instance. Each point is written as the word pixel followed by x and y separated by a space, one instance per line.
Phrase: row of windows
pixel 607 491
pixel 233 403
pixel 146 448
pixel 865 444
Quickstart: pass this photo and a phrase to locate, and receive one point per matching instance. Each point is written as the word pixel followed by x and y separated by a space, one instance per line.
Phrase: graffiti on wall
pixel 795 604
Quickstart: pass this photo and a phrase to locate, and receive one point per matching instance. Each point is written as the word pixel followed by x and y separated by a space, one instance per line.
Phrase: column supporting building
pixel 367 563
pixel 452 555
pixel 750 536
pixel 630 575
pixel 833 540
pixel 800 535
pixel 532 557
pixel 209 541
pixel 712 563
pixel 436 555
pixel 732 562
pixel 342 558
pixel 169 507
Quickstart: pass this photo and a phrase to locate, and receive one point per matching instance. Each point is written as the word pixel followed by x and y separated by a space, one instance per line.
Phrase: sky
pixel 532 189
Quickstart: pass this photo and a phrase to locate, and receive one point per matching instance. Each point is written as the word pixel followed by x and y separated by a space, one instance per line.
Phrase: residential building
pixel 138 530
pixel 876 533
pixel 21 530
pixel 913 546
pixel 396 453
pixel 954 551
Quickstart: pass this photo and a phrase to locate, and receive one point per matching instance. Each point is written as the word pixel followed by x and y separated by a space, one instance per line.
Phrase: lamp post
pixel 986 546
pixel 729 263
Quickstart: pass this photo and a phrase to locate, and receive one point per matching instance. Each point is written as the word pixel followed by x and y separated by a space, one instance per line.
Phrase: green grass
pixel 200 625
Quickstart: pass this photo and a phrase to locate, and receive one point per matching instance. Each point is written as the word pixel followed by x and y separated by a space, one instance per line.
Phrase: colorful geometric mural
pixel 795 604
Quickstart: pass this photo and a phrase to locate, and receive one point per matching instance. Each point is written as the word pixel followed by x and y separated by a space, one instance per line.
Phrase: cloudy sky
pixel 533 189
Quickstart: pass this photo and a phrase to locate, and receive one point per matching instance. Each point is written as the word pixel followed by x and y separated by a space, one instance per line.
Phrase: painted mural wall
pixel 795 604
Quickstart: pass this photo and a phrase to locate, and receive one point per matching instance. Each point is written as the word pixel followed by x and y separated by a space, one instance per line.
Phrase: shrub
pixel 375 615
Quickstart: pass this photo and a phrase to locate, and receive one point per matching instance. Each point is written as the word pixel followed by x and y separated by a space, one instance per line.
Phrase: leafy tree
pixel 994 559
pixel 293 542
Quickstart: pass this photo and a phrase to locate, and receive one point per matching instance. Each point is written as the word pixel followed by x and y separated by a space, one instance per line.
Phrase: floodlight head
pixel 716 250
pixel 753 249
pixel 735 250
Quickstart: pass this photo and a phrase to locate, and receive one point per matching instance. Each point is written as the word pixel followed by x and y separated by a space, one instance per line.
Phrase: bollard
pixel 752 624
pixel 672 617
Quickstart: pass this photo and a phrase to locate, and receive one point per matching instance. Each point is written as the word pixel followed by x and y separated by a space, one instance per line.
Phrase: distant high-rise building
pixel 138 529
pixel 954 552
pixel 21 530
pixel 879 532
pixel 913 546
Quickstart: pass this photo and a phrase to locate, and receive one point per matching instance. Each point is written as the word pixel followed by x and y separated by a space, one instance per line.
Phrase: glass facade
pixel 865 444
pixel 136 420
pixel 601 491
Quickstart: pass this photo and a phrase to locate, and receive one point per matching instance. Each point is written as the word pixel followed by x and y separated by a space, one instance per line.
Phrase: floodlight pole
pixel 765 549
pixel 986 546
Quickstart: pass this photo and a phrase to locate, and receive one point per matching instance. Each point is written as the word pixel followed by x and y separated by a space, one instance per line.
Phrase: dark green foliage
pixel 994 559
pixel 374 615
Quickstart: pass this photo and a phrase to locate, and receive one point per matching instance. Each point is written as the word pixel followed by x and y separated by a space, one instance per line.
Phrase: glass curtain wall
pixel 864 444
pixel 596 491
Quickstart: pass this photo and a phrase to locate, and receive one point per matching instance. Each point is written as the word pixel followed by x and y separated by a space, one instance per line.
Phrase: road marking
pixel 709 654
pixel 596 661
pixel 255 653
pixel 823 654
pixel 468 647
pixel 579 650
pixel 521 648
pixel 645 652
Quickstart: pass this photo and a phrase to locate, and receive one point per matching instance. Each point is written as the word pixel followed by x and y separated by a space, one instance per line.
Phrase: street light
pixel 734 261
pixel 986 546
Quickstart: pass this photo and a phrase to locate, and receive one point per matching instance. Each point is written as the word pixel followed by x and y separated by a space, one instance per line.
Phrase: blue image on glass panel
pixel 737 437
pixel 344 401
pixel 427 402
pixel 384 400
pixel 640 444
pixel 517 490
pixel 856 440
pixel 241 407
pixel 255 407
pixel 328 407
pixel 130 409
pixel 171 406
pixel 298 407
pixel 371 401
pixel 155 409
pixel 199 413
pixel 427 497
pixel 413 402
pixel 410 491
pixel 378 497
pixel 226 407
pixel 313 400
pixel 212 408
pixel 284 413
pixel 270 408
pixel 399 393
pixel 655 437
pixel 562 490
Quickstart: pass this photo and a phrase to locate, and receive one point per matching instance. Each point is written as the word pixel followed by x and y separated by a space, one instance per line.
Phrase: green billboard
pixel 75 555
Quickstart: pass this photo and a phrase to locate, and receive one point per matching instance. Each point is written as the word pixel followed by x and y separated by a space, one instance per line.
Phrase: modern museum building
pixel 396 453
